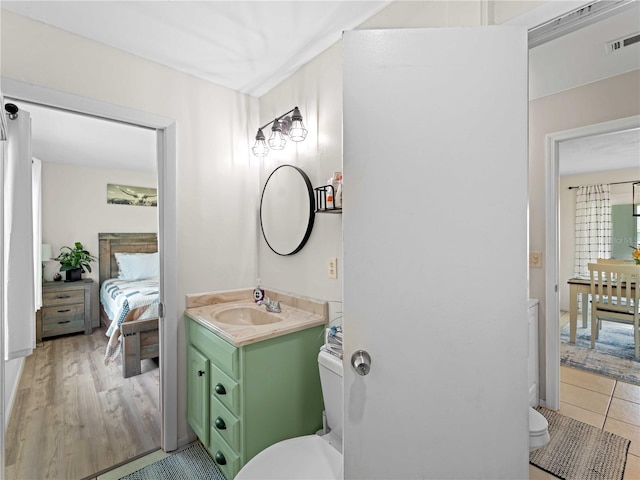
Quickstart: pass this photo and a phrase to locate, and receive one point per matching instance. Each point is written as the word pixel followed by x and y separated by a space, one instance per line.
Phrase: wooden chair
pixel 615 297
pixel 614 261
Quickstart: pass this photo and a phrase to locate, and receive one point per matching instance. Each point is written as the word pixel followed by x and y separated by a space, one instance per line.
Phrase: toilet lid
pixel 301 458
pixel 537 422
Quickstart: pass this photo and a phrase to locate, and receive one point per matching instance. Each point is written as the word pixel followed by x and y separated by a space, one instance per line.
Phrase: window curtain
pixel 36 197
pixel 593 226
pixel 19 306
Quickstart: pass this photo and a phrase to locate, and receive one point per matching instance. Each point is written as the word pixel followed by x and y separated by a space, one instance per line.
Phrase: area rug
pixel 193 463
pixel 578 451
pixel 613 355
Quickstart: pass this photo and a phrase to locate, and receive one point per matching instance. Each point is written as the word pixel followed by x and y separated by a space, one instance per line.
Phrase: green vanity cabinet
pixel 198 393
pixel 244 399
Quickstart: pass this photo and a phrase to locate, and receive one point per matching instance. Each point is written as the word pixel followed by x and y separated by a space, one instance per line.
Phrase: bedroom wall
pixel 620 195
pixel 79 213
pixel 216 181
pixel 610 99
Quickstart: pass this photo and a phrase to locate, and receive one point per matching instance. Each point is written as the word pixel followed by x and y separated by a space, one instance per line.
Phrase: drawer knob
pixel 63 296
pixel 64 311
pixel 219 423
pixel 220 390
pixel 220 460
pixel 200 373
pixel 64 321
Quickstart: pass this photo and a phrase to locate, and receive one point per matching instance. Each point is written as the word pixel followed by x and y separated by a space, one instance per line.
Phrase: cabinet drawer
pixel 225 389
pixel 62 297
pixel 62 319
pixel 225 457
pixel 225 423
pixel 223 354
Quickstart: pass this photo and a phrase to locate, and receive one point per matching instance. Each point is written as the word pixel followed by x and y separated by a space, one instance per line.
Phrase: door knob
pixel 361 362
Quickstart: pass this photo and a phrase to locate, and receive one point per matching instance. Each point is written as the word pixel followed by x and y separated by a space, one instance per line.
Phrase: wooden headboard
pixel 112 243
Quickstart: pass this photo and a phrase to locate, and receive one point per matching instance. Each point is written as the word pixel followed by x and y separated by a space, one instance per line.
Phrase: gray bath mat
pixel 578 451
pixel 193 463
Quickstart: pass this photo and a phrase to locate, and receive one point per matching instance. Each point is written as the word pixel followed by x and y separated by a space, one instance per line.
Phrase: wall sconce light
pixel 283 126
pixel 636 199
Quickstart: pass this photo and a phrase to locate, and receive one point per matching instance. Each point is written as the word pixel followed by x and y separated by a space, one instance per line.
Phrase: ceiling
pixel 248 46
pixel 597 153
pixel 254 46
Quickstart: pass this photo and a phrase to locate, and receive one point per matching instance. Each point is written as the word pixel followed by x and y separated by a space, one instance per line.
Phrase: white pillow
pixel 138 266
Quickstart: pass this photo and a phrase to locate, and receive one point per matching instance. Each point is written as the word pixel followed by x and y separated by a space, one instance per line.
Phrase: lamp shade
pixel 297 132
pixel 46 252
pixel 260 149
pixel 277 140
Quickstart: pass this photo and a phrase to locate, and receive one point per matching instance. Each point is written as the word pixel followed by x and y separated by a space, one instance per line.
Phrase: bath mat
pixel 193 463
pixel 578 451
pixel 613 355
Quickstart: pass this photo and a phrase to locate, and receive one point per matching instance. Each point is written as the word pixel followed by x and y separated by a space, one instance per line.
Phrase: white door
pixel 435 253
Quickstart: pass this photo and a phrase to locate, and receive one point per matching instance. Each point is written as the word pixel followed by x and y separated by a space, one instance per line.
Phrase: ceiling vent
pixel 619 44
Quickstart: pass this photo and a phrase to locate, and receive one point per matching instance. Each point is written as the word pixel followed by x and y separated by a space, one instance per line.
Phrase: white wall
pixel 75 209
pixel 317 89
pixel 610 99
pixel 217 185
pixel 620 195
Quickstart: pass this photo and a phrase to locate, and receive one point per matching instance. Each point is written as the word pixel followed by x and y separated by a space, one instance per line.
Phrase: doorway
pixel 167 230
pixel 552 238
pixel 550 111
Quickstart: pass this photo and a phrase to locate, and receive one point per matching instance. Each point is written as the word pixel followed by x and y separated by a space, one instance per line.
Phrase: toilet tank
pixel 331 380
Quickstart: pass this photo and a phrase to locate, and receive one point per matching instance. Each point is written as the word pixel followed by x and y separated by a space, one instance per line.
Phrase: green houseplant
pixel 74 261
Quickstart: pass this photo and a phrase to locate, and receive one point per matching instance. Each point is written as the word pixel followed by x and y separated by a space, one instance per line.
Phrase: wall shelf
pixel 322 204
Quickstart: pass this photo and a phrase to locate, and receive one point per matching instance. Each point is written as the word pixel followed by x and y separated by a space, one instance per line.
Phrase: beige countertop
pixel 291 319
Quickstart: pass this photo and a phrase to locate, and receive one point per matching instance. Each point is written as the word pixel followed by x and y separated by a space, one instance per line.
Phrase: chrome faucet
pixel 271 306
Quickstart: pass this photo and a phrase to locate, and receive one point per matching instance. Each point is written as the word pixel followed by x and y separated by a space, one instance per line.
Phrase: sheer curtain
pixel 593 226
pixel 36 196
pixel 19 307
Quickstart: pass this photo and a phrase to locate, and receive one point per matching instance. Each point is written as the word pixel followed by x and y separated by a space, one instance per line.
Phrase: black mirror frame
pixel 312 210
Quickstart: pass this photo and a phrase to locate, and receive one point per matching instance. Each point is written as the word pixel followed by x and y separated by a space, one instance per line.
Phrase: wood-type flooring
pixel 74 416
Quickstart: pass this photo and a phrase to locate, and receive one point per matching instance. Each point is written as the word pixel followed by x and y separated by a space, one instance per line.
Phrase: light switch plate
pixel 333 268
pixel 535 259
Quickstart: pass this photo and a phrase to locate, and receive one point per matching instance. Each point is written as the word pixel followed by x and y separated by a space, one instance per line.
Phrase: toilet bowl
pixel 538 430
pixel 311 457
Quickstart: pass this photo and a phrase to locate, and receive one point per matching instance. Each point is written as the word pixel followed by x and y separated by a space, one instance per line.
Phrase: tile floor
pixel 604 403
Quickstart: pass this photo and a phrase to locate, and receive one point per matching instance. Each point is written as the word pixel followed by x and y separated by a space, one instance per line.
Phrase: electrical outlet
pixel 535 259
pixel 333 268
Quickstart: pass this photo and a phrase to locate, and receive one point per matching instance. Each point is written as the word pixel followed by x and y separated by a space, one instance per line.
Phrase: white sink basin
pixel 245 315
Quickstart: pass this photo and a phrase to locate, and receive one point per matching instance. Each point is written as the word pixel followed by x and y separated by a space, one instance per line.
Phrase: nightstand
pixel 66 308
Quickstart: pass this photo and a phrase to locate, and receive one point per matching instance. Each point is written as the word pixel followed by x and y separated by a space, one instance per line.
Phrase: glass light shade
pixel 260 149
pixel 297 132
pixel 277 140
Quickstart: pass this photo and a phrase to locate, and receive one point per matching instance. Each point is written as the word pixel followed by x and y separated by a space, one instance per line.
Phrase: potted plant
pixel 74 261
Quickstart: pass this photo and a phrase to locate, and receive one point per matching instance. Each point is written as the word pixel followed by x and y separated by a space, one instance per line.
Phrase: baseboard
pixel 14 390
pixel 186 440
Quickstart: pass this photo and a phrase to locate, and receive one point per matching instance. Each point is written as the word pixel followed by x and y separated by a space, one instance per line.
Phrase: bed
pixel 132 327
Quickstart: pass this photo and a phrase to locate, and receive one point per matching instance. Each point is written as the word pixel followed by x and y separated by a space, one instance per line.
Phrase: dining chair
pixel 615 297
pixel 614 261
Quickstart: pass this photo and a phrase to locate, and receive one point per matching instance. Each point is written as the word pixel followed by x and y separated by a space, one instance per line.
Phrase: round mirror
pixel 287 210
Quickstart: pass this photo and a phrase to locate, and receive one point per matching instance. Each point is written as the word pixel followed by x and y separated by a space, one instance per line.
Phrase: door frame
pixel 167 232
pixel 552 274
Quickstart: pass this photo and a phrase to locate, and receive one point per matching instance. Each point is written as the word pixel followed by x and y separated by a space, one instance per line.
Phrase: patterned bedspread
pixel 126 300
